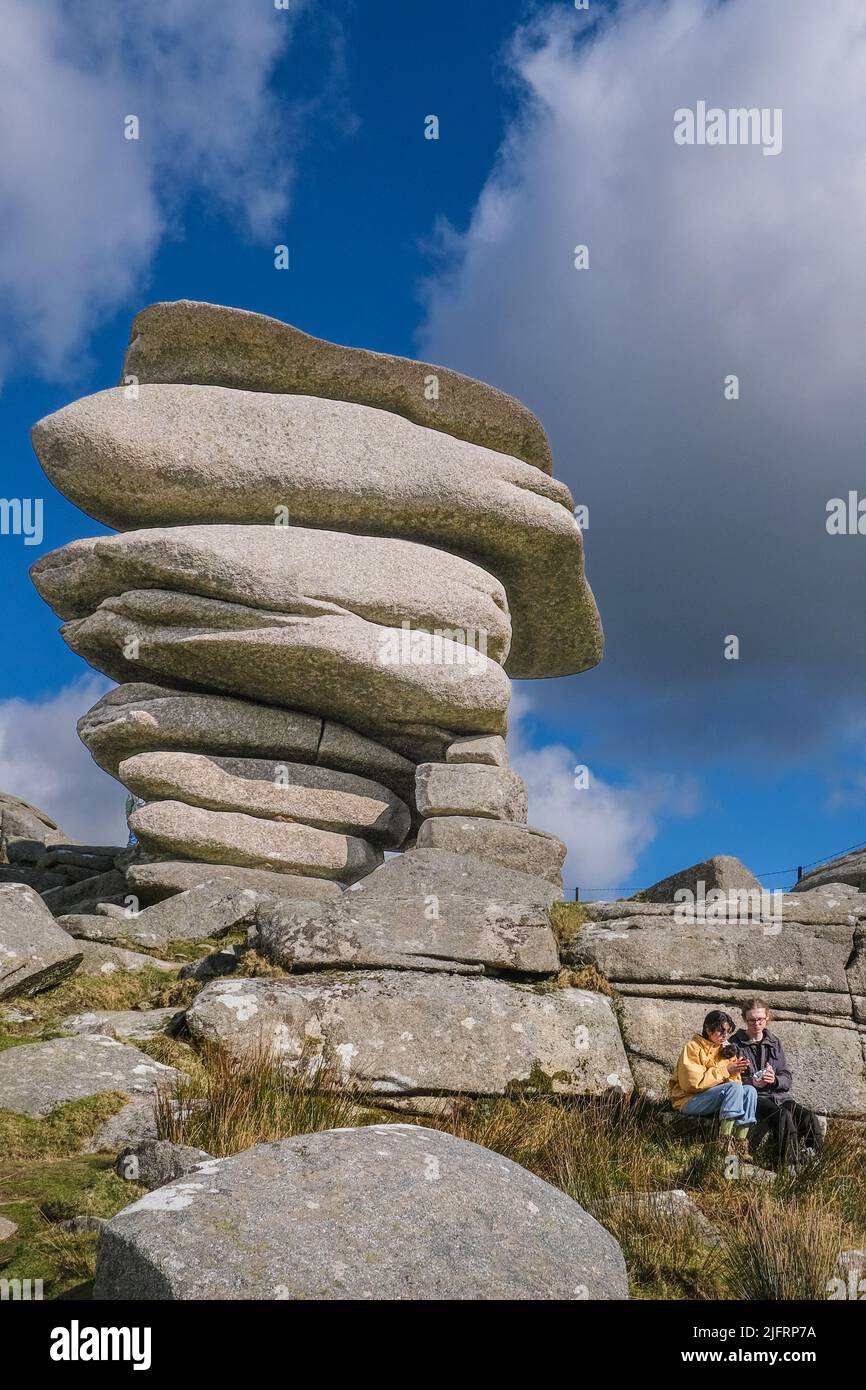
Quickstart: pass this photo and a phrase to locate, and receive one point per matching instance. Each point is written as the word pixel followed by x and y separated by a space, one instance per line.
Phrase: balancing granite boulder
pixel 385 1212
pixel 205 454
pixel 214 345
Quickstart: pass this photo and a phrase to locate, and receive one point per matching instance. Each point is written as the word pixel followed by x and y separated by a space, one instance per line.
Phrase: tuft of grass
pixel 779 1250
pixel 567 920
pixel 232 1102
pixel 664 1255
pixel 254 965
pixel 184 951
pixel 586 977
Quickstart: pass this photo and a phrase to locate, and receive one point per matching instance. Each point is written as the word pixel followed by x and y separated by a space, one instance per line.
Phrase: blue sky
pixel 706 517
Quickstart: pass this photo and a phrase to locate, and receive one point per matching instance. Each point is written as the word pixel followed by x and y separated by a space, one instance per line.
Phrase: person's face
pixel 719 1034
pixel 756 1022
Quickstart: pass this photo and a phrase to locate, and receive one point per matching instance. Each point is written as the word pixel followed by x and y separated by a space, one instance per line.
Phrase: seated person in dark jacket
pixel 792 1126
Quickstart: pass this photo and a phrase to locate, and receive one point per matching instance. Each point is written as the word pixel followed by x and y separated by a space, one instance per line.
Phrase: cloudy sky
pixel 706 515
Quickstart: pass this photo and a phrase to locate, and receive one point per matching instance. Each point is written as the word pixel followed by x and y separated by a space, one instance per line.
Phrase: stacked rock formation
pixel 329 563
pixel 324 572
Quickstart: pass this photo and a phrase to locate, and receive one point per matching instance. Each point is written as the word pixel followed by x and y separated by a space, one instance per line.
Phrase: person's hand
pixel 737 1066
pixel 769 1076
pixel 759 1083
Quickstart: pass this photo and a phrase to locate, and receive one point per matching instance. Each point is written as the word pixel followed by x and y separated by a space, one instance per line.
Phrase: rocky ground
pixel 161 1071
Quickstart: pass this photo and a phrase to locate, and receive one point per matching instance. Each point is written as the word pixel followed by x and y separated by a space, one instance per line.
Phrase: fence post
pixel 799 872
pixel 577 895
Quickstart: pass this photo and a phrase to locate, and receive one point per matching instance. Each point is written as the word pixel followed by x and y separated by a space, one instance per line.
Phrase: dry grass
pixel 567 920
pixel 779 1240
pixel 231 1103
pixel 781 1250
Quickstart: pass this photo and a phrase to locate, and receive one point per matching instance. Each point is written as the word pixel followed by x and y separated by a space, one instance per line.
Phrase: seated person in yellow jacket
pixel 705 1082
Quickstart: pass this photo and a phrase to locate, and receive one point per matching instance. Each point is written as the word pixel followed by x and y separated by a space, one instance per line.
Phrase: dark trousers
pixel 791 1127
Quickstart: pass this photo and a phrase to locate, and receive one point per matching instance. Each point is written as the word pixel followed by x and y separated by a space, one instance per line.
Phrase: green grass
pixel 85 993
pixel 567 920
pixel 37 1196
pixel 58 1135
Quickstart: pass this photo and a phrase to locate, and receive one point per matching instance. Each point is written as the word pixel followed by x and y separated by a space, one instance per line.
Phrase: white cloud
pixel 706 516
pixel 606 828
pixel 43 761
pixel 84 208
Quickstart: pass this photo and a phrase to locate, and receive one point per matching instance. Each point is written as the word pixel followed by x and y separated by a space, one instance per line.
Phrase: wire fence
pixel 798 869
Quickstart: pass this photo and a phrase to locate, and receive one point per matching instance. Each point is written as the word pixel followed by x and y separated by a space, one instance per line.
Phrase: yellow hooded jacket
pixel 699 1066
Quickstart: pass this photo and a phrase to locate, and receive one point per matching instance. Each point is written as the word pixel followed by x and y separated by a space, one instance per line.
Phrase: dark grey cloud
pixel 707 516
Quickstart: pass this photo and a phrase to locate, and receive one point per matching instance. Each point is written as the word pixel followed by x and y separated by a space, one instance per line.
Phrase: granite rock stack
pixel 327 565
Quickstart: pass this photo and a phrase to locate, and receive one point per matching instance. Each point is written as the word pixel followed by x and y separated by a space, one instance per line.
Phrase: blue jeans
pixel 730 1101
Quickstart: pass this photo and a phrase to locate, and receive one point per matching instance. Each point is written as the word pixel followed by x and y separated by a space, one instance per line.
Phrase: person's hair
pixel 714 1019
pixel 756 1003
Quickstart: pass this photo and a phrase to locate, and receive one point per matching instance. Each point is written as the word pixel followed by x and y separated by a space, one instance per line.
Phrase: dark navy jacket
pixel 768 1050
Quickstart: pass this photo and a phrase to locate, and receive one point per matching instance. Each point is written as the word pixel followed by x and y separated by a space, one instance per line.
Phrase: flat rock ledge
pixel 390 1212
pixel 37 1077
pixel 402 1032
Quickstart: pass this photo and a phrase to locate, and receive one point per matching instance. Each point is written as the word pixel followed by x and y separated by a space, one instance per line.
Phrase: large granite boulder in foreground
pixel 406 1032
pixel 35 953
pixel 390 1212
